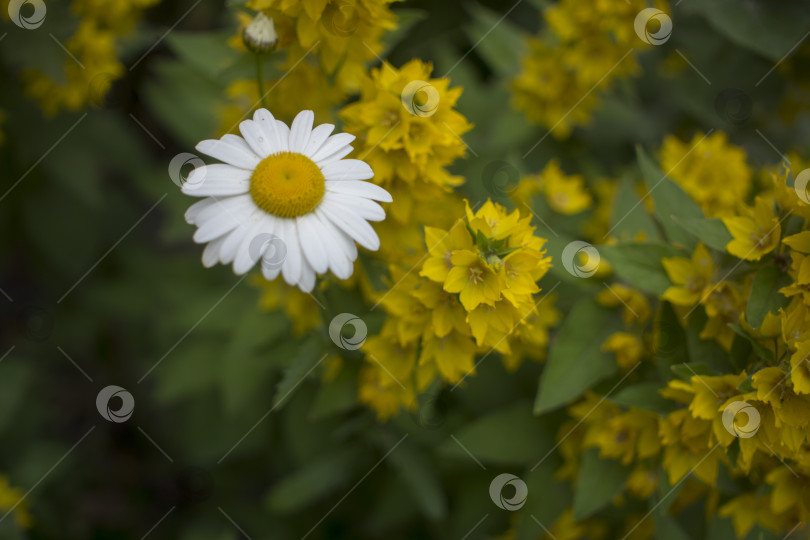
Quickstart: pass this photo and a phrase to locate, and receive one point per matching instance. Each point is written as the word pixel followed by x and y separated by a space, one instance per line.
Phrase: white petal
pixel 217 180
pixel 345 241
pixel 311 242
pixel 365 208
pixel 358 189
pixel 283 136
pixel 291 268
pixel 231 245
pixel 340 154
pixel 300 131
pixel 268 125
pixel 255 137
pixel 333 144
pixel 339 262
pixel 230 149
pixel 353 225
pixel 307 281
pixel 195 209
pixel 247 252
pixel 347 169
pixel 272 258
pixel 235 206
pixel 218 225
pixel 317 138
pixel 210 254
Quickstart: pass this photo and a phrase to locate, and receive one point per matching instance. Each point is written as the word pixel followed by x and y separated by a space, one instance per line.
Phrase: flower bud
pixel 260 35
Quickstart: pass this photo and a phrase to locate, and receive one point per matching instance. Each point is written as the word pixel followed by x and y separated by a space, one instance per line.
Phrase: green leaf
pixel 312 482
pixel 640 264
pixel 421 477
pixel 244 370
pixel 575 364
pixel 644 396
pixel 336 396
pixel 308 355
pixel 629 216
pixel 706 351
pixel 688 370
pixel 756 26
pixel 761 351
pixel 598 482
pixel 671 202
pixel 504 43
pixel 764 296
pixel 508 436
pixel 711 231
pixel 670 346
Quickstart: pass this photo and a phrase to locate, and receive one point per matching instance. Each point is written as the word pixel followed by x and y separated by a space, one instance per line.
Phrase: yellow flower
pixel 800 368
pixel 408 133
pixel 691 277
pixel 565 194
pixel 748 510
pixel 627 347
pixel 635 306
pixel 474 279
pixel 441 245
pixel 301 308
pixel 12 497
pixel 712 171
pixel 755 234
pixel 452 355
pixel 343 34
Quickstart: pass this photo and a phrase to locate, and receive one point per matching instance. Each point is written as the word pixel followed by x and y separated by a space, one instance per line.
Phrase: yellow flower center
pixel 287 184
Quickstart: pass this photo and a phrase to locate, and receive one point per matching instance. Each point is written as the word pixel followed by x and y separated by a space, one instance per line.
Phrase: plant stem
pixel 259 80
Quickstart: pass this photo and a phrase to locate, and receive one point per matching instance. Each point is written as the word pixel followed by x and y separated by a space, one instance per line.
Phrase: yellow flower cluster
pixel 343 34
pixel 475 294
pixel 710 169
pixel 565 194
pixel 409 131
pixel 586 46
pixel 12 498
pixel 94 65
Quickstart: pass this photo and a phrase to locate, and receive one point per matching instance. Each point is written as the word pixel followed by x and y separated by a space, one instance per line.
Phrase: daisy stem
pixel 260 80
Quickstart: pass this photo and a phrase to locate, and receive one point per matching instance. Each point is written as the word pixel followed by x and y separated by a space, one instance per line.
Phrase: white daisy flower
pixel 284 195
